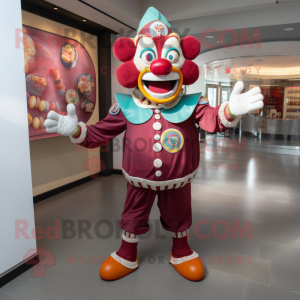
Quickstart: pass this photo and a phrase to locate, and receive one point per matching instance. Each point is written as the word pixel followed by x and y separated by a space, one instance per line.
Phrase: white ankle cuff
pixel 180 234
pixel 130 237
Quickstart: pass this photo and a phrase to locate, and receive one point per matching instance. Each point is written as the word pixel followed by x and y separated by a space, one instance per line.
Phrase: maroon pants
pixel 174 205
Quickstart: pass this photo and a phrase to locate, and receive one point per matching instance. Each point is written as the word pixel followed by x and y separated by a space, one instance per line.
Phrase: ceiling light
pixel 84 20
pixel 289 29
pixel 55 8
pixel 210 36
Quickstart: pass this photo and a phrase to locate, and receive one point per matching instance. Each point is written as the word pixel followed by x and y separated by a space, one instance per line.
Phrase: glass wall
pixel 278 76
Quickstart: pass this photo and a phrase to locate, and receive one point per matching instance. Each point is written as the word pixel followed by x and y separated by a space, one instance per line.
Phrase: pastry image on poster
pixel 72 97
pixel 29 53
pixel 58 71
pixel 36 84
pixel 85 84
pixel 69 56
pixel 87 105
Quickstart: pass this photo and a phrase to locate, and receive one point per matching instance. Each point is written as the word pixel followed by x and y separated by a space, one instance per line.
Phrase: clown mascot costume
pixel 156 63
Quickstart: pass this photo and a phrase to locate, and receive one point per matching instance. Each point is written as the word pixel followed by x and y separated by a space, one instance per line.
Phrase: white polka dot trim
pixel 158 173
pixel 157 163
pixel 157 147
pixel 157 126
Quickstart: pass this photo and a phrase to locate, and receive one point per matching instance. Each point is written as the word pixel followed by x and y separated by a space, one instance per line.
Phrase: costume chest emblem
pixel 172 140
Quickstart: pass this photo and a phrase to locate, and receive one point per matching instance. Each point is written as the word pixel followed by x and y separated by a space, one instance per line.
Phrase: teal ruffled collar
pixel 176 114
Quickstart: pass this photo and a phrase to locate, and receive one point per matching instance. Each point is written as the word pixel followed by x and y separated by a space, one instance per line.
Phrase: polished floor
pixel 246 228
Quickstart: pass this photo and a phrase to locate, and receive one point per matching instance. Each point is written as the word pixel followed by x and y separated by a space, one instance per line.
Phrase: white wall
pixel 16 202
pixel 199 85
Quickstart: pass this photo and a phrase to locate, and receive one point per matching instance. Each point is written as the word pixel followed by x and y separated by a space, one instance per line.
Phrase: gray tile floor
pixel 256 188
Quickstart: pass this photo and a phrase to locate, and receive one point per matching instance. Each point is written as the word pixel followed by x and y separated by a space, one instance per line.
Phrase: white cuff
pixel 126 263
pixel 180 260
pixel 180 234
pixel 82 134
pixel 224 120
pixel 130 237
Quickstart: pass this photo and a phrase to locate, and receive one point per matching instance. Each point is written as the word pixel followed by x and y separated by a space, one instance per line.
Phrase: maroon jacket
pixel 158 168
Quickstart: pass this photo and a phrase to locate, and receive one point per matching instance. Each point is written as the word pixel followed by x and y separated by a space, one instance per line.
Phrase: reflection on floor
pixel 279 146
pixel 249 241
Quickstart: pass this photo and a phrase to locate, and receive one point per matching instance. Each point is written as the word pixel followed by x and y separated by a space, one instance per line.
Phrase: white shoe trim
pixel 224 120
pixel 82 135
pixel 126 263
pixel 178 261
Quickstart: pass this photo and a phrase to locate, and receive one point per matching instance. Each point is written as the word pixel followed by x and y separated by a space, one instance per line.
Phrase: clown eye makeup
pixel 147 55
pixel 172 55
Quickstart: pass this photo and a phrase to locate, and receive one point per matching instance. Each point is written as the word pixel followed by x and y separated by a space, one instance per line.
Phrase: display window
pixel 59 71
pixel 278 77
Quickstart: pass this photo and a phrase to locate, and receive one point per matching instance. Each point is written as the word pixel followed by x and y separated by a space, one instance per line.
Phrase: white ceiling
pixel 178 9
pixel 194 15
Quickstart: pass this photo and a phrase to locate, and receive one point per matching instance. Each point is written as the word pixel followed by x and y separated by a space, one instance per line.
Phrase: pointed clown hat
pixel 154 24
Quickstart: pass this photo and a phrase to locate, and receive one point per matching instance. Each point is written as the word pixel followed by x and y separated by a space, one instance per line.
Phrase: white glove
pixel 240 104
pixel 64 125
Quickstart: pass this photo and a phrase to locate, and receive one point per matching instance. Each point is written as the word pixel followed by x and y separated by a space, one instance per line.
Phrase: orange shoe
pixel 116 267
pixel 190 267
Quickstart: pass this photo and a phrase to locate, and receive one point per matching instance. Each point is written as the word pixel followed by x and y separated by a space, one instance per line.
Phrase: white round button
pixel 157 126
pixel 157 147
pixel 157 137
pixel 157 110
pixel 157 163
pixel 158 173
pixel 157 116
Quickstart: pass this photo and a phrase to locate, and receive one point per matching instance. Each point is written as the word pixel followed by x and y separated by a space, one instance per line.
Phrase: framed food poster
pixel 58 71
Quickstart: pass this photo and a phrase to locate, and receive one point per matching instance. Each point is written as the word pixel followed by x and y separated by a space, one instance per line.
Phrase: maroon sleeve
pixel 207 117
pixel 105 130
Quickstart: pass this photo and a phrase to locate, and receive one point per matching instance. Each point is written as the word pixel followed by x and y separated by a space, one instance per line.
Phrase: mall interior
pixel 61 204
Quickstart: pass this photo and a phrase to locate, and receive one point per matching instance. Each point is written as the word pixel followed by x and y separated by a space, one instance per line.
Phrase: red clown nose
pixel 161 66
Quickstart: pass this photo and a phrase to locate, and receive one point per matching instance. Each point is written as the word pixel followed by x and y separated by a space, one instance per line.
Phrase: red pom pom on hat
pixel 124 49
pixel 128 74
pixel 190 47
pixel 190 72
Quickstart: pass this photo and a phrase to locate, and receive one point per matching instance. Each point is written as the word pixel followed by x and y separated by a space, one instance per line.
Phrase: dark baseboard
pixel 19 270
pixel 117 172
pixel 67 187
pixel 73 184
